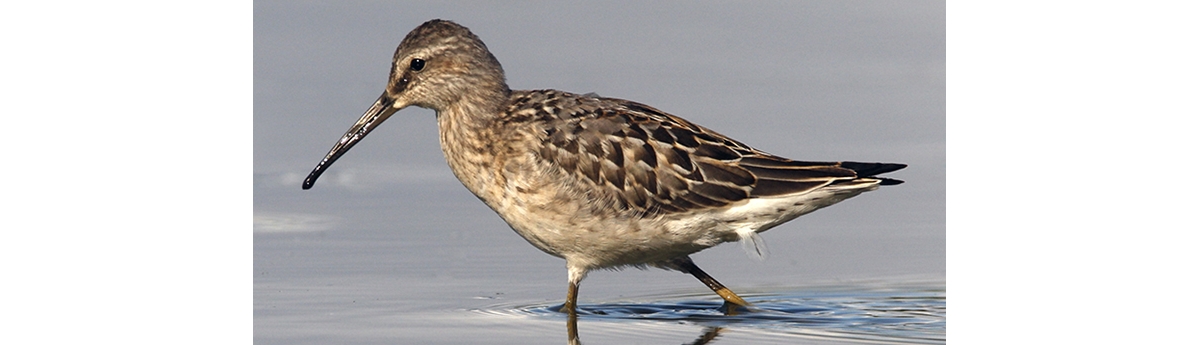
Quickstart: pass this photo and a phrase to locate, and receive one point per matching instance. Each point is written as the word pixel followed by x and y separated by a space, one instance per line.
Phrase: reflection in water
pixel 916 317
pixel 573 329
pixel 710 333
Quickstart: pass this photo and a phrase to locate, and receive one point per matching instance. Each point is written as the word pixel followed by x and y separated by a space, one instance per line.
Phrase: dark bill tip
pixel 312 176
pixel 338 150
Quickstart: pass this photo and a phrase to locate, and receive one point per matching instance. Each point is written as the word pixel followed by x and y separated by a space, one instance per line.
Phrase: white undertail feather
pixel 753 244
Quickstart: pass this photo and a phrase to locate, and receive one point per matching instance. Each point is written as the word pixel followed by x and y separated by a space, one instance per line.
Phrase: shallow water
pixel 813 315
pixel 892 316
pixel 817 316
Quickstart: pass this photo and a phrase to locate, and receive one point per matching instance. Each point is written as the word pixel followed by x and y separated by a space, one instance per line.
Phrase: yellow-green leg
pixel 732 300
pixel 572 295
pixel 574 277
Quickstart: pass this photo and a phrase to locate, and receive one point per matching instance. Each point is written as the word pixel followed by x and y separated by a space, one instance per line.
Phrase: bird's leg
pixel 732 300
pixel 574 277
pixel 572 295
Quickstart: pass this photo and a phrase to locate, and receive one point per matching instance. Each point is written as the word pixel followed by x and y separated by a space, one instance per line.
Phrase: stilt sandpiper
pixel 600 182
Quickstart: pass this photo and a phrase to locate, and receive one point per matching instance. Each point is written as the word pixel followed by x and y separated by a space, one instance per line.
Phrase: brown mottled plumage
pixel 600 182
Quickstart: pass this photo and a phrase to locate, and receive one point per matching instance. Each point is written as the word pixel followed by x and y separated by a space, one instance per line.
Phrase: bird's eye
pixel 416 64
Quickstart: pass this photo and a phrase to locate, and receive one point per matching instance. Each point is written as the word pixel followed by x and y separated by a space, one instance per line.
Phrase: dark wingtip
pixel 872 169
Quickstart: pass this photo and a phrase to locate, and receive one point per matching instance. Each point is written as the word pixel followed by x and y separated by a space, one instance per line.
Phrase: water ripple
pixel 897 316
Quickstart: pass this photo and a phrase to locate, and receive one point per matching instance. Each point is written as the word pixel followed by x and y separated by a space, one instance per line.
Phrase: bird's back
pixel 647 160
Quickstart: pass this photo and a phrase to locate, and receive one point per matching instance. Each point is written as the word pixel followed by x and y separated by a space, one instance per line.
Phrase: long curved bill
pixel 380 111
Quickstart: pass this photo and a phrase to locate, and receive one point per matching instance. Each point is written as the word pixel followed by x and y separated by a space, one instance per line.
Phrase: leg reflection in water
pixel 710 333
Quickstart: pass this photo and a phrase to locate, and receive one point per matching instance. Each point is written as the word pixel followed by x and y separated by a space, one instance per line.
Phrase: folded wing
pixel 647 160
